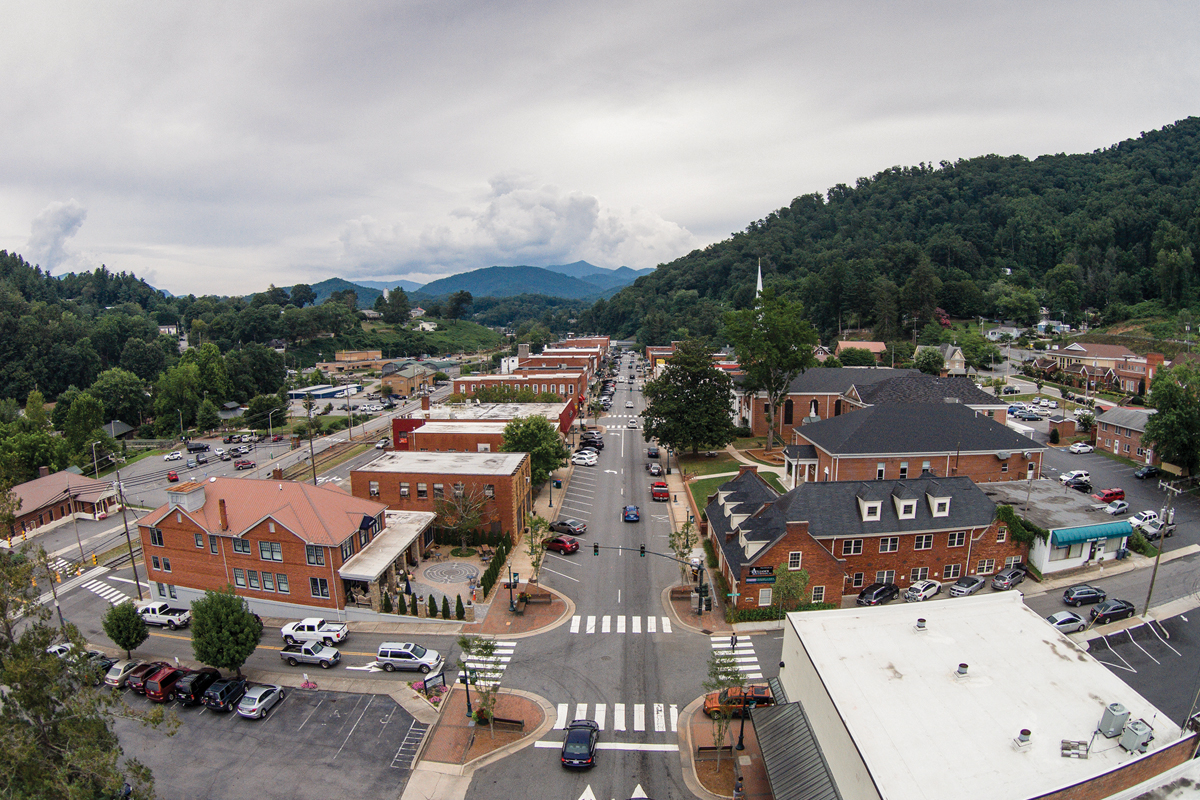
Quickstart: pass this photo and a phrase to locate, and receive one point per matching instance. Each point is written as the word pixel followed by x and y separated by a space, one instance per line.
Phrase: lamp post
pixel 465 679
pixel 512 579
pixel 745 713
pixel 180 410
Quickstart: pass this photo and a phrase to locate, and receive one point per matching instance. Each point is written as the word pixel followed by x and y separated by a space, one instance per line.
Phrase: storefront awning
pixel 402 529
pixel 1117 529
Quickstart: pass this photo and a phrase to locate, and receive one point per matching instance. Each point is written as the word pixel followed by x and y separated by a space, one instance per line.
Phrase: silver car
pixel 406 655
pixel 968 584
pixel 1067 621
pixel 258 700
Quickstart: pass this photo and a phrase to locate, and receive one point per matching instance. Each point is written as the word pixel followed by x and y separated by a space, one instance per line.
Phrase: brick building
pixel 561 416
pixel 818 393
pixel 849 534
pixel 465 436
pixel 557 363
pixel 567 385
pixel 408 380
pixel 416 481
pixel 1120 430
pixel 285 546
pixel 51 497
pixel 927 389
pixel 904 440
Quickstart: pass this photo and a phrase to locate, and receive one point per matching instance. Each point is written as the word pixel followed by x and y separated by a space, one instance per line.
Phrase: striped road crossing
pixel 620 624
pixel 109 593
pixel 742 654
pixel 488 671
pixel 663 717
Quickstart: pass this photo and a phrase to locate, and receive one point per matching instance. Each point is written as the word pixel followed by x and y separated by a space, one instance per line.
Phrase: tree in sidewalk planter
pixel 224 632
pixel 479 648
pixel 412 605
pixel 537 528
pixel 687 407
pixel 723 673
pixel 774 344
pixel 445 607
pixel 460 613
pixel 432 607
pixel 125 626
pixel 462 512
pixel 682 543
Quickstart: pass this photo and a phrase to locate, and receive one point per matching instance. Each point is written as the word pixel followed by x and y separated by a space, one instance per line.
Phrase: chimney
pixel 43 472
pixel 224 515
pixel 522 351
pixel 424 402
pixel 744 468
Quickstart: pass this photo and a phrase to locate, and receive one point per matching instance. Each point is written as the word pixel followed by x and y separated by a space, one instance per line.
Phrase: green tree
pixel 432 611
pixel 224 632
pixel 36 418
pixel 462 511
pixel 479 649
pixel 145 360
pixel 788 592
pixel 83 421
pixel 125 626
pixel 302 295
pixel 930 361
pixel 683 541
pixel 460 613
pixel 687 407
pixel 395 309
pixel 266 412
pixel 1174 431
pixel 445 607
pixel 856 357
pixel 537 529
pixel 207 418
pixel 123 395
pixel 457 305
pixel 536 436
pixel 774 344
pixel 177 392
pixel 412 607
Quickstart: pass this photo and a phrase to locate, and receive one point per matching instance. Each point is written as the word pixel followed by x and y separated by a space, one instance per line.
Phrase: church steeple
pixel 758 288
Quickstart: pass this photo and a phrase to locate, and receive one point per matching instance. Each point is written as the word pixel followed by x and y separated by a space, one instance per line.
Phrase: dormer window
pixel 870 510
pixel 908 509
pixel 940 506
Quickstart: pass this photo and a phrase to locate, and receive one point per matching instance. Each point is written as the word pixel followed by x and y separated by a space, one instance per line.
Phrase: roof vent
pixel 1021 743
pixel 920 626
pixel 962 671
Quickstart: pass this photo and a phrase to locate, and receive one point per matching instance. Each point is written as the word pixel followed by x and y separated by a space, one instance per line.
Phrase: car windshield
pixel 577 743
pixel 417 650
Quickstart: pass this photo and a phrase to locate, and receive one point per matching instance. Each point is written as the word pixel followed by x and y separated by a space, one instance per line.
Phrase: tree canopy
pixel 1174 431
pixel 224 632
pixel 687 407
pixel 536 436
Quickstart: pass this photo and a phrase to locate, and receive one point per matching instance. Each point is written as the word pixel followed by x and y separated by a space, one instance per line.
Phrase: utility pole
pixel 128 540
pixel 312 458
pixel 1167 514
pixel 75 520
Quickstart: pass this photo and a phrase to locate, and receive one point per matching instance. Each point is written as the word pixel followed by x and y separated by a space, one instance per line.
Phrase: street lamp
pixel 465 680
pixel 180 410
pixel 512 579
pixel 745 713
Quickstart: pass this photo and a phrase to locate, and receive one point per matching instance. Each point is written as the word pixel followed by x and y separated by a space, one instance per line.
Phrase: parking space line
pixel 1165 632
pixel 1129 633
pixel 559 574
pixel 1127 667
pixel 351 733
pixel 306 719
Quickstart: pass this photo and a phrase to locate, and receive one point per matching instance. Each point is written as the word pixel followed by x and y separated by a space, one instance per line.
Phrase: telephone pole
pixel 1167 515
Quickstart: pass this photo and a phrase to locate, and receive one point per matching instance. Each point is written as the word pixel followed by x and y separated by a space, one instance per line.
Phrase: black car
pixel 652 451
pixel 579 745
pixel 1011 390
pixel 1082 593
pixel 98 664
pixel 225 694
pixel 1079 485
pixel 595 444
pixel 877 594
pixel 191 687
pixel 572 526
pixel 1111 610
pixel 1148 471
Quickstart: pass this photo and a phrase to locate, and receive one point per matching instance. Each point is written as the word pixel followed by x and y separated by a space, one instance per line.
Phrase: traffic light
pixel 595 548
pixel 643 552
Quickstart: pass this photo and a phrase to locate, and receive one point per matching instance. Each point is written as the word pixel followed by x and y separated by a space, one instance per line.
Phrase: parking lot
pixel 1161 660
pixel 313 744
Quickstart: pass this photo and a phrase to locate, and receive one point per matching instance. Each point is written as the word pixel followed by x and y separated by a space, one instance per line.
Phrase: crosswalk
pixel 489 671
pixel 109 593
pixel 742 653
pixel 60 565
pixel 625 717
pixel 619 624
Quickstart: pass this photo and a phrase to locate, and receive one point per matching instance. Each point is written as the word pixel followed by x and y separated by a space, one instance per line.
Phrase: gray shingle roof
pixel 796 767
pixel 800 452
pixel 926 389
pixel 1134 418
pixel 836 380
pixel 901 428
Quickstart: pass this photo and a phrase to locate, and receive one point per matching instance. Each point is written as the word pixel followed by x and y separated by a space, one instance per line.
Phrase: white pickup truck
pixel 162 615
pixel 314 629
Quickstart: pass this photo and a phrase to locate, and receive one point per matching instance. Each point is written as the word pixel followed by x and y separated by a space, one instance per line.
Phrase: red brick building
pixel 416 481
pixel 560 416
pixel 1120 430
pixel 284 546
pixel 51 497
pixel 819 393
pixel 850 534
pixel 567 385
pixel 465 436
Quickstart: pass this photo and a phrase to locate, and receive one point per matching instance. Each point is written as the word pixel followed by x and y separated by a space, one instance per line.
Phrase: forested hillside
pixel 991 236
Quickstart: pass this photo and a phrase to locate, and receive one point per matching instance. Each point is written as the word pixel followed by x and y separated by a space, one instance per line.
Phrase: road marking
pixel 666 626
pixel 674 717
pixel 651 624
pixel 561 722
pixel 618 716
pixel 581 711
pixel 568 577
pixel 601 712
pixel 621 624
pixel 591 624
pixel 639 716
pixel 604 623
pixel 630 746
pixel 637 624
pixel 660 718
pixel 575 624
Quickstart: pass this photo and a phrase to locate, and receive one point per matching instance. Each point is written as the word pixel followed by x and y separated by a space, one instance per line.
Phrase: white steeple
pixel 758 288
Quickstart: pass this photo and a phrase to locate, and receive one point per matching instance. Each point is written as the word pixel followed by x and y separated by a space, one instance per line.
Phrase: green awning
pixel 1062 537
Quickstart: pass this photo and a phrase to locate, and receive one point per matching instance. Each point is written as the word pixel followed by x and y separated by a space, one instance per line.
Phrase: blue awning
pixel 1062 537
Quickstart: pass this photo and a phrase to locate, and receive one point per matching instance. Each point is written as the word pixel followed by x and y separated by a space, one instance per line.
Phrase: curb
pixel 686 760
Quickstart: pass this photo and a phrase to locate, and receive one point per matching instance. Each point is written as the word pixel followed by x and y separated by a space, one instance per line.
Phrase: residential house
pixel 119 430
pixel 902 440
pixel 1120 430
pixel 848 534
pixel 426 327
pixel 954 363
pixel 876 349
pixel 1105 356
pixel 370 313
pixel 50 497
pixel 408 380
pixel 291 549
pixel 416 312
pixel 1001 331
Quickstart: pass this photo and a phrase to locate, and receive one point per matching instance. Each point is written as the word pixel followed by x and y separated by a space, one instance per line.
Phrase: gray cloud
pixel 51 228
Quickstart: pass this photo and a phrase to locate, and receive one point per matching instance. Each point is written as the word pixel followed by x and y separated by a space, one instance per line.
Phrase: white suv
pixel 1075 473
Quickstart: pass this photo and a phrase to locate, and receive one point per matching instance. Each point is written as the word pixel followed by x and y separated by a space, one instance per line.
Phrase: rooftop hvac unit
pixel 1114 719
pixel 1137 736
pixel 1003 455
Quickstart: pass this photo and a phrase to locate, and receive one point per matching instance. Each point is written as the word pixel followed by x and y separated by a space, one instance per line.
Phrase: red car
pixel 244 463
pixel 160 686
pixel 1109 495
pixel 659 491
pixel 172 476
pixel 563 544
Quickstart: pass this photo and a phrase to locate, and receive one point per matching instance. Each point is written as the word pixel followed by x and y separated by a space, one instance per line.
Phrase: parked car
pixel 314 629
pixel 172 476
pixel 1109 495
pixel 406 656
pixel 1116 508
pixel 1027 416
pixel 1079 485
pixel 654 469
pixel 1007 578
pixel 382 443
pixel 737 699
pixel 585 459
pixel 660 491
pixel 156 612
pixel 1111 611
pixel 652 451
pixel 1140 519
pixel 161 685
pixel 877 594
pixel 579 745
pixel 119 672
pixel 224 694
pixel 190 689
pixel 1156 529
pixel 1082 593
pixel 967 584
pixel 922 590
pixel 258 700
pixel 1011 390
pixel 562 544
pixel 244 463
pixel 572 526
pixel 1074 474
pixel 136 680
pixel 310 653
pixel 226 457
pixel 191 463
pixel 1148 471
pixel 173 456
pixel 1081 448
pixel 630 514
pixel 201 458
pixel 1067 621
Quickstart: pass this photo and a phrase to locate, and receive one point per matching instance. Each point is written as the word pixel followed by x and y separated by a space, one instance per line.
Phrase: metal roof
pixel 796 767
pixel 1090 533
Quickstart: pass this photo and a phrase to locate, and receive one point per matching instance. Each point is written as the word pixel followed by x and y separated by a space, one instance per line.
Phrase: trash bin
pixel 557 483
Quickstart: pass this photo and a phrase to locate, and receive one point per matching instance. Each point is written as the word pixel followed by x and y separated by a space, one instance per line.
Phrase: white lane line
pixel 674 717
pixel 601 711
pixel 637 624
pixel 561 575
pixel 561 722
pixel 618 716
pixel 621 624
pixel 628 746
pixel 591 624
pixel 660 718
pixel 605 623
pixel 575 624
pixel 666 625
pixel 639 716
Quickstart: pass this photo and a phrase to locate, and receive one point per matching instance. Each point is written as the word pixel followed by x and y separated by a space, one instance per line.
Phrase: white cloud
pixel 47 245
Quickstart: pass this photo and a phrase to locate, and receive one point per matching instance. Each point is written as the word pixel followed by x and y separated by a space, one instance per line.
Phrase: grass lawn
pixel 702 465
pixel 752 442
pixel 702 488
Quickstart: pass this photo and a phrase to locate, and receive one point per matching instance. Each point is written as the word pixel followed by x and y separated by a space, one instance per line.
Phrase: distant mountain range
pixel 577 281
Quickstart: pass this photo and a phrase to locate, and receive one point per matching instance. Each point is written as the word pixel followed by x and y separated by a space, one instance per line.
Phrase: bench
pixel 520 607
pixel 681 592
pixel 517 725
pixel 713 753
pixel 544 598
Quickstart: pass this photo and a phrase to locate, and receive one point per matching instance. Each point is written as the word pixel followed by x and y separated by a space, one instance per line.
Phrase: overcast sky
pixel 221 147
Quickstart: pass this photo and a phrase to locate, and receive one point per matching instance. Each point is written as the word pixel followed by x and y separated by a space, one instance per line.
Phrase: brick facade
pixel 567 385
pixel 1124 441
pixel 979 467
pixel 432 437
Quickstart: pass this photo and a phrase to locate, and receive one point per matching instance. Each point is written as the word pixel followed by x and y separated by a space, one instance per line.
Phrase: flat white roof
pixel 446 463
pixel 925 733
pixel 467 426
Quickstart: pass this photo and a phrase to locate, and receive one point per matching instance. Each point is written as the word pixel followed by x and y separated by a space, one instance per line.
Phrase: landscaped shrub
pixel 387 602
pixel 432 607
pixel 412 606
pixel 460 613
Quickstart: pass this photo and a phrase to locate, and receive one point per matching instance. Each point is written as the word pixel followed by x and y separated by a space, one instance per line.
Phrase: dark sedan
pixel 572 526
pixel 1082 593
pixel 630 514
pixel 579 746
pixel 1147 471
pixel 1079 485
pixel 1112 610
pixel 562 544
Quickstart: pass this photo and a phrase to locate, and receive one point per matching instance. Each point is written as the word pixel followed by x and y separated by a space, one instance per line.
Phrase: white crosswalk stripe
pixel 620 624
pixel 489 671
pixel 742 654
pixel 663 717
pixel 60 565
pixel 109 593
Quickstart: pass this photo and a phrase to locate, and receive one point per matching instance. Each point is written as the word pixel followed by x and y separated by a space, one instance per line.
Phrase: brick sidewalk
pixel 456 739
pixel 754 773
pixel 499 621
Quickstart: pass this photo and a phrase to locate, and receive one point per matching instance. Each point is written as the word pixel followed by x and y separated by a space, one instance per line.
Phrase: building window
pixel 923 542
pixel 858 580
pixel 764 596
pixel 439 491
pixel 162 590
pixel 319 587
pixel 957 539
pixel 986 566
pixel 422 490
pixel 239 578
pixel 268 582
pixel 270 551
pixel 270 526
pixel 214 545
pixel 241 546
pixel 171 591
pixel 364 537
pixel 374 488
pixel 1012 561
pixel 918 574
pixel 794 559
pixel 852 547
pixel 154 562
pixel 951 572
pixel 908 510
pixel 818 594
pixel 1126 447
pixel 253 577
pixel 347 549
pixel 489 491
pixel 156 537
pixel 885 576
pixel 871 511
pixel 200 540
pixel 925 466
pixel 459 489
pixel 404 488
pixel 903 470
pixel 166 564
pixel 1001 533
pixel 281 582
pixel 889 544
pixel 315 556
pixel 1004 466
pixel 879 471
